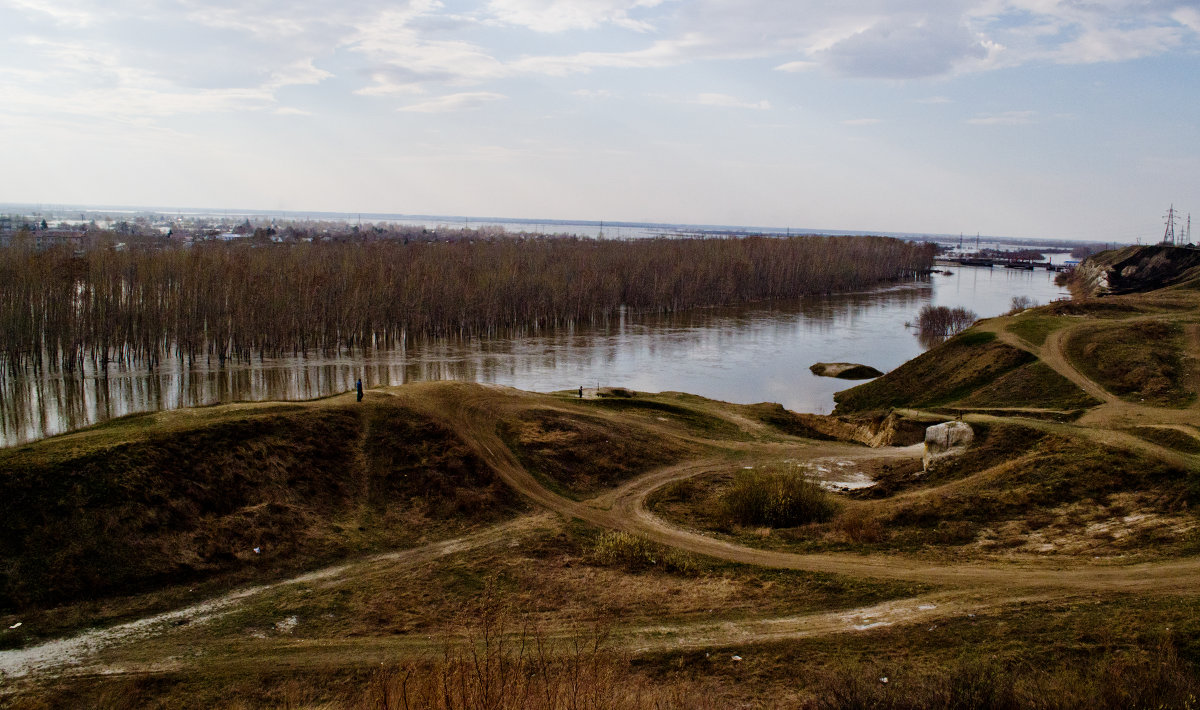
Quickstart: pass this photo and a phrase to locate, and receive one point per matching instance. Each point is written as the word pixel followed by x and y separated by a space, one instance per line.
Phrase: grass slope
pixel 943 375
pixel 304 486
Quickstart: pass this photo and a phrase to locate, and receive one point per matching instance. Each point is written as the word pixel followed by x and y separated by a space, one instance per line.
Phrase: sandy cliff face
pixel 1136 270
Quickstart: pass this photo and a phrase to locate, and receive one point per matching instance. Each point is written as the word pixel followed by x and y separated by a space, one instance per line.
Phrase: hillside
pixel 460 545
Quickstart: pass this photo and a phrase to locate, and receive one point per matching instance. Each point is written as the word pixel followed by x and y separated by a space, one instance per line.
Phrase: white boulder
pixel 946 439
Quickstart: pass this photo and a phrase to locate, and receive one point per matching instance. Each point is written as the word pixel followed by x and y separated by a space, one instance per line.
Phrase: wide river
pixel 746 354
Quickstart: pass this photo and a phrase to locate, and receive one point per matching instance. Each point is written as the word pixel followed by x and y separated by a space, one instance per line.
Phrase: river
pixel 745 354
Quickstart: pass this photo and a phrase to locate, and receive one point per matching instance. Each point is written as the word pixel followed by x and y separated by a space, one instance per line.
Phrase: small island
pixel 844 370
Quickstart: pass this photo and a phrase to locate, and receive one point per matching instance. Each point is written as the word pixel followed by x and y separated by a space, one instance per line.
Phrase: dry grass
pixel 942 375
pixel 1140 361
pixel 776 497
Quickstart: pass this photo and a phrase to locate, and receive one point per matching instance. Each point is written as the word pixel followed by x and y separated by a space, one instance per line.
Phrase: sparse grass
pixel 776 498
pixel 137 511
pixel 579 455
pixel 692 419
pixel 1010 478
pixel 1034 329
pixel 1035 385
pixel 1139 361
pixel 946 373
pixel 1170 438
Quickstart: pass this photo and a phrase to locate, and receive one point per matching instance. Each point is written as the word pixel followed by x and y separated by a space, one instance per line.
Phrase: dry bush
pixel 777 499
pixel 941 321
pixel 501 667
pixel 635 553
pixel 860 525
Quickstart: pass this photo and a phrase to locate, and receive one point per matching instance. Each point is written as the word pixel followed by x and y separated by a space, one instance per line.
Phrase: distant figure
pixel 358 385
pixel 581 391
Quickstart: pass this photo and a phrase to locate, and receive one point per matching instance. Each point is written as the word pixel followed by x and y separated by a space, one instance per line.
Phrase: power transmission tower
pixel 1187 233
pixel 1169 234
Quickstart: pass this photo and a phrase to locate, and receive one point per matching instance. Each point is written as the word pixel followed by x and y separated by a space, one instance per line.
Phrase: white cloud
pixel 1188 17
pixel 594 93
pixel 900 48
pixel 465 101
pixel 1007 118
pixel 934 100
pixel 862 121
pixel 562 15
pixel 795 67
pixel 726 101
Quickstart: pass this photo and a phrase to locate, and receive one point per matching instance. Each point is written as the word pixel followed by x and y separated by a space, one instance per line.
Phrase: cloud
pixel 594 93
pixel 563 15
pixel 466 101
pixel 862 121
pixel 1188 17
pixel 726 101
pixel 899 48
pixel 1007 118
pixel 934 100
pixel 795 67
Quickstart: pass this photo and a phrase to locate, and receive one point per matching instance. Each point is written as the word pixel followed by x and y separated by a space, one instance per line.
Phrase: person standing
pixel 358 386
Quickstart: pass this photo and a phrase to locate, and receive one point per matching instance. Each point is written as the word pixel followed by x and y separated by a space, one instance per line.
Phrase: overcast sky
pixel 1071 119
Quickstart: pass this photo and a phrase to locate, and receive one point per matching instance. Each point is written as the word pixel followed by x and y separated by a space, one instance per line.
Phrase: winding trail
pixel 471 411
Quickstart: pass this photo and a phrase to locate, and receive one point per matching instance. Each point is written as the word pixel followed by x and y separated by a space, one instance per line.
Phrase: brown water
pixel 746 354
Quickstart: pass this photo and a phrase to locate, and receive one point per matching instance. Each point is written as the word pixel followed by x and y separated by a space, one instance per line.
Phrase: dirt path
pixel 471 412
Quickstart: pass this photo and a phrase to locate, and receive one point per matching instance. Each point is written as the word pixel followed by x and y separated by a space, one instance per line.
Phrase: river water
pixel 745 354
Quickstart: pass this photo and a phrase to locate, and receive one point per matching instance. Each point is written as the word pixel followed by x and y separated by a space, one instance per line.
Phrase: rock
pixel 844 370
pixel 946 439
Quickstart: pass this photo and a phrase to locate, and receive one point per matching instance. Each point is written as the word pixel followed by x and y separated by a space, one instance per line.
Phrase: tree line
pixel 239 300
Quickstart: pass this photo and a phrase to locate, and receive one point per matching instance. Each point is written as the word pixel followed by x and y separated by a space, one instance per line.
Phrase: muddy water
pixel 746 354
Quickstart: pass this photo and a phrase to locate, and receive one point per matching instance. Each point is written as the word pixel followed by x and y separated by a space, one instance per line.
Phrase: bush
pixel 940 321
pixel 860 526
pixel 634 553
pixel 776 499
pixel 1020 303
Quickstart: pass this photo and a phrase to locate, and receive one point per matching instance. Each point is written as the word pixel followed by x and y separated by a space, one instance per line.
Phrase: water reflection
pixel 746 354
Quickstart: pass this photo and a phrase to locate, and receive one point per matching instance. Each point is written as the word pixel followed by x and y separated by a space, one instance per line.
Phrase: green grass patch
pixel 1035 329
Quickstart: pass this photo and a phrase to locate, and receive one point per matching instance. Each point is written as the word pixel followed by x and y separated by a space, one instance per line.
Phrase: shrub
pixel 634 553
pixel 860 526
pixel 941 321
pixel 776 499
pixel 1021 303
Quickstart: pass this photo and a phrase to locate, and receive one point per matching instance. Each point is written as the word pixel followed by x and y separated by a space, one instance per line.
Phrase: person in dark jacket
pixel 358 386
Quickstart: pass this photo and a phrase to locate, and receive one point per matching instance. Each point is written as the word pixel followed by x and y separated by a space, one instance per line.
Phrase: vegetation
pixel 1141 361
pixel 578 454
pixel 941 321
pixel 1035 385
pixel 1034 329
pixel 938 377
pixel 635 553
pixel 251 494
pixel 1170 438
pixel 222 301
pixel 776 498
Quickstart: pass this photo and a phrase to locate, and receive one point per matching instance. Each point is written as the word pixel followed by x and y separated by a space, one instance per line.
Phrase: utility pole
pixel 1169 234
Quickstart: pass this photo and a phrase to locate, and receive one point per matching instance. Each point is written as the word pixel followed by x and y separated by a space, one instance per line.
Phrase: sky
pixel 1060 119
